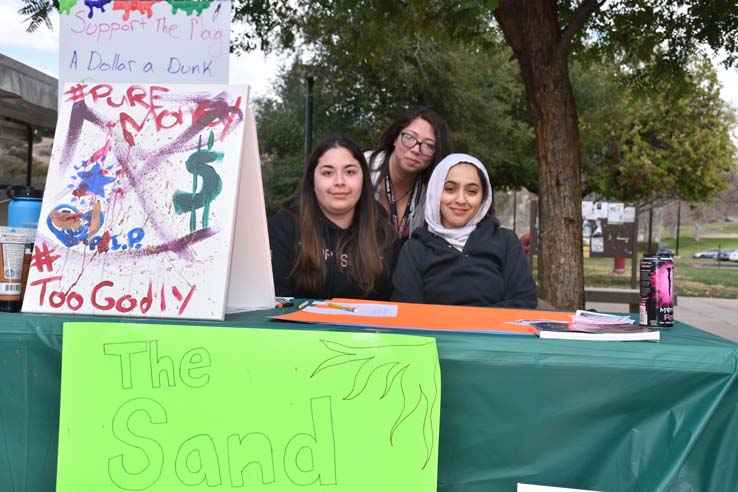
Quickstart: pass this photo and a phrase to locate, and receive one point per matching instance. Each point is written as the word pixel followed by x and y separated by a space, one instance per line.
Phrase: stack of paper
pixel 587 325
pixel 591 317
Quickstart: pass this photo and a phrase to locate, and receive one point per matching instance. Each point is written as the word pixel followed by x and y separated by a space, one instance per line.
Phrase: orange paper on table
pixel 433 317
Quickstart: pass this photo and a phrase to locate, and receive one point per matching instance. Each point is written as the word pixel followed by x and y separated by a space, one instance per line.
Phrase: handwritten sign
pixel 145 41
pixel 138 212
pixel 169 408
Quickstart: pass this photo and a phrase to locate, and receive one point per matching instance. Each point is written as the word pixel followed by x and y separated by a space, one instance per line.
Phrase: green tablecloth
pixel 609 416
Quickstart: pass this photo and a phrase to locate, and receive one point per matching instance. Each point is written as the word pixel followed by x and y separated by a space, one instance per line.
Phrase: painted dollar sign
pixel 197 165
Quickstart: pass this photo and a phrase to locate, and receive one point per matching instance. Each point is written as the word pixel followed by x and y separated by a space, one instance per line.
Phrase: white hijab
pixel 456 236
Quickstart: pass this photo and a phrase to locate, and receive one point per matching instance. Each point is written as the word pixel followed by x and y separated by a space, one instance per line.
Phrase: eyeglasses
pixel 409 142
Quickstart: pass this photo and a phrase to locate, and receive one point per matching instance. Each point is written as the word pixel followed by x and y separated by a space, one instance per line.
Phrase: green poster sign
pixel 181 408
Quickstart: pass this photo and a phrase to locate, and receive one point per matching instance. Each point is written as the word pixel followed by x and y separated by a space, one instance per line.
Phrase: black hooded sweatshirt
pixel 284 240
pixel 491 270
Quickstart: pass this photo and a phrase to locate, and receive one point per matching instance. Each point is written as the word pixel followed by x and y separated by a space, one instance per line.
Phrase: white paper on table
pixel 582 316
pixel 531 321
pixel 526 487
pixel 240 309
pixel 376 310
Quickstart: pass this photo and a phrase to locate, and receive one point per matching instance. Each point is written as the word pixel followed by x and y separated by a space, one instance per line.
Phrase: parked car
pixel 708 253
pixel 664 252
pixel 725 254
pixel 733 256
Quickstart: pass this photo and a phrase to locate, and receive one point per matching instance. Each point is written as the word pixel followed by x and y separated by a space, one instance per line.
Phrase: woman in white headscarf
pixel 463 257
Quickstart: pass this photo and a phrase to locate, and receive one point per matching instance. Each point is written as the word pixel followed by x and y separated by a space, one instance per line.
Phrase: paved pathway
pixel 718 316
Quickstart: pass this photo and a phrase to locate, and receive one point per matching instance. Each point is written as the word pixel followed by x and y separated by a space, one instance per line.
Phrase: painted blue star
pixel 94 181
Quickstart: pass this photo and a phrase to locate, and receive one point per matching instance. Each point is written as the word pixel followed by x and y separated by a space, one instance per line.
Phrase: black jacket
pixel 492 270
pixel 284 243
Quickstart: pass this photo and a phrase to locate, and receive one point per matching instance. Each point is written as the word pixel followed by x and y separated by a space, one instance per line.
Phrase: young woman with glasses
pixel 332 240
pixel 402 164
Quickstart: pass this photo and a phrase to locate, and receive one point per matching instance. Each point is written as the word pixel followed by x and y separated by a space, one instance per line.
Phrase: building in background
pixel 28 111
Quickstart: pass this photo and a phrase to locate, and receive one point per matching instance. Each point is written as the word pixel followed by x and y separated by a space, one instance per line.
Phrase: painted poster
pixel 179 408
pixel 144 41
pixel 138 212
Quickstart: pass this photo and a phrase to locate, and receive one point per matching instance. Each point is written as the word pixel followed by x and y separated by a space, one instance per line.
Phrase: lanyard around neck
pixel 402 226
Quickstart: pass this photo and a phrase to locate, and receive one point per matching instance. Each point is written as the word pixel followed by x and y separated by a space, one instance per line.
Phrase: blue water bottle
pixel 25 206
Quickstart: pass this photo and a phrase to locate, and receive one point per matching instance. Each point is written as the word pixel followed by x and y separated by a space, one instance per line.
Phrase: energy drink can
pixel 657 292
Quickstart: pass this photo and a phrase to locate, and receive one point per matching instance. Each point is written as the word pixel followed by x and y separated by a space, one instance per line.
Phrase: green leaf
pixel 417 387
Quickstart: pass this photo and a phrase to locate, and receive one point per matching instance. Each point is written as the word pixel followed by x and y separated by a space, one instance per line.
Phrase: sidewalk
pixel 718 316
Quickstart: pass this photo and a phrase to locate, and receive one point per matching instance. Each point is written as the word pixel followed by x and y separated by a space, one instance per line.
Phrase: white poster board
pixel 145 41
pixel 139 209
pixel 615 213
pixel 600 210
pixel 587 210
pixel 251 283
pixel 629 214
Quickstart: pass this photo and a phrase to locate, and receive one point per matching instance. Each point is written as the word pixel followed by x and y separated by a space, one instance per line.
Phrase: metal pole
pixel 308 118
pixel 679 222
pixel 29 162
pixel 650 225
pixel 634 265
pixel 515 209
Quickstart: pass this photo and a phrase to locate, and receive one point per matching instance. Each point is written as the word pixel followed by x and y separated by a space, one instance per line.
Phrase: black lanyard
pixel 402 226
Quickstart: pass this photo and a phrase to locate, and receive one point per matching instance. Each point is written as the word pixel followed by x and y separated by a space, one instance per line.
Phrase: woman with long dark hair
pixel 402 163
pixel 331 240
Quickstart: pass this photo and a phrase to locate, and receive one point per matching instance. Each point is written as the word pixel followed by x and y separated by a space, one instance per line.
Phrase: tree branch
pixel 583 13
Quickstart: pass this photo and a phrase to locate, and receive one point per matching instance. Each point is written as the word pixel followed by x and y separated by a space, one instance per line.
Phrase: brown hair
pixel 389 137
pixel 364 240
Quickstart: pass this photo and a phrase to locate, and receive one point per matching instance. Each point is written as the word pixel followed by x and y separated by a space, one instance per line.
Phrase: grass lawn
pixel 729 228
pixel 689 279
pixel 692 277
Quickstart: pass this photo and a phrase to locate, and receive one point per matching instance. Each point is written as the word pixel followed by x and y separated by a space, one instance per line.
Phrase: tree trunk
pixel 697 215
pixel 658 216
pixel 531 27
pixel 673 209
pixel 697 232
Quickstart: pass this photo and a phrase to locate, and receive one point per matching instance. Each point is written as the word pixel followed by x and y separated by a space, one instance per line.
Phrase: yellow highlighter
pixel 341 306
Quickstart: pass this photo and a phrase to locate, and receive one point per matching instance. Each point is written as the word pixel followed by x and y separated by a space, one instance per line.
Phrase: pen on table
pixel 303 304
pixel 284 304
pixel 341 306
